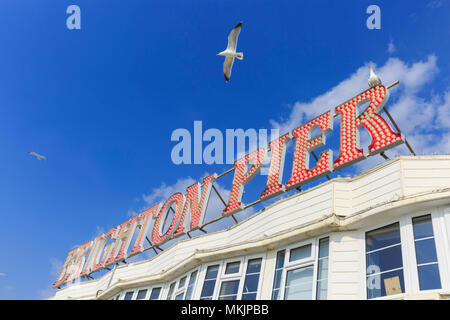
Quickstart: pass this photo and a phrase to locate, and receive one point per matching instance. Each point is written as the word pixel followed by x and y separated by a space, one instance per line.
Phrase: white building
pixel 383 234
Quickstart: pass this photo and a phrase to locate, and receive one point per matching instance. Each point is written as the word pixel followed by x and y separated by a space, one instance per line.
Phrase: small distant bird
pixel 230 53
pixel 38 156
pixel 374 80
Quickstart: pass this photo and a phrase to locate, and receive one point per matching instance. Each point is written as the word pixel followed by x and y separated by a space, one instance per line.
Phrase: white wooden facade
pixel 342 209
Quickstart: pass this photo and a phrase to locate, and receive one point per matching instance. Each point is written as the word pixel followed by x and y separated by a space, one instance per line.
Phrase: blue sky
pixel 101 102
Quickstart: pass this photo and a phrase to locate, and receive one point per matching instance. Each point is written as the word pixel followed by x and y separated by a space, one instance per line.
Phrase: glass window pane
pixel 322 272
pixel 323 247
pixel 208 288
pixel 383 237
pixel 210 282
pixel 429 277
pixel 232 267
pixel 276 294
pixel 422 227
pixel 277 281
pixel 211 273
pixel 191 285
pixel 229 290
pixel 251 283
pixel 141 294
pixel 179 296
pixel 155 294
pixel 280 259
pixel 322 290
pixel 249 296
pixel 386 259
pixel 128 295
pixel 254 266
pixel 300 253
pixel 299 284
pixel 182 282
pixel 426 251
pixel 171 288
pixel 229 287
pixel 376 284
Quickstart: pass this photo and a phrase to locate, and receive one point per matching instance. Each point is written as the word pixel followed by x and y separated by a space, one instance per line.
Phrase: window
pixel 278 273
pixel 209 283
pixel 403 257
pixel 186 286
pixel 322 270
pixel 229 290
pixel 300 253
pixel 191 285
pixel 233 280
pixel 299 275
pixel 155 293
pixel 232 267
pixel 384 262
pixel 128 295
pixel 141 294
pixel 252 279
pixel 426 256
pixel 170 293
pixel 299 284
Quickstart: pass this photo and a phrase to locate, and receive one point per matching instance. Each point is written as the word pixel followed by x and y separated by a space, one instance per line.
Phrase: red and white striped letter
pixel 242 177
pixel 304 144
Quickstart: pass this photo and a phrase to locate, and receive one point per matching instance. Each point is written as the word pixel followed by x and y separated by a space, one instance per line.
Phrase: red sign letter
pixel 99 248
pixel 157 238
pixel 241 178
pixel 143 224
pixel 274 186
pixel 382 135
pixel 196 204
pixel 304 144
pixel 123 239
pixel 66 268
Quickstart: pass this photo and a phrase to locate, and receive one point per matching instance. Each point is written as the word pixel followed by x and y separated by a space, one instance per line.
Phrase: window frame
pixel 121 295
pixel 222 277
pixel 410 273
pixel 183 290
pixel 305 262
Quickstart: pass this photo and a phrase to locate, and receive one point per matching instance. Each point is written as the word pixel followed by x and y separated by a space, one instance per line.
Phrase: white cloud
pixel 164 191
pixel 56 266
pixel 434 4
pixel 391 47
pixel 422 116
pixel 412 79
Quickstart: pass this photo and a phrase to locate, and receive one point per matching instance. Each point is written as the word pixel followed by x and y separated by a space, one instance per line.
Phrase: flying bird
pixel 38 156
pixel 374 80
pixel 230 53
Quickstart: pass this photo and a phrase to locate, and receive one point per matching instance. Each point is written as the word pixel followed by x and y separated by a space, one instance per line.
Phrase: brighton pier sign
pixel 113 246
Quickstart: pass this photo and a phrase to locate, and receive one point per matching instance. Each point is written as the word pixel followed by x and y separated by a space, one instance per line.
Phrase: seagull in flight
pixel 374 80
pixel 230 53
pixel 38 156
